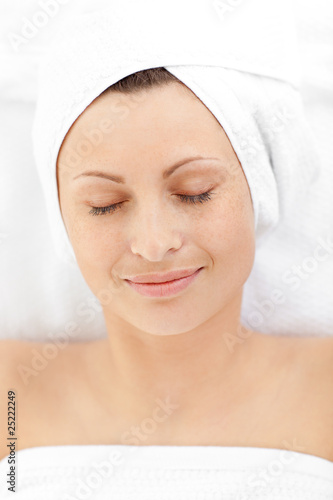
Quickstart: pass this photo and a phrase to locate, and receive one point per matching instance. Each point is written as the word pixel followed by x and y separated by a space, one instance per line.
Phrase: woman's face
pixel 154 226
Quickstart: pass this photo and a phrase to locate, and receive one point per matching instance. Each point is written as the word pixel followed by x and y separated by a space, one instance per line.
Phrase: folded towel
pixel 239 57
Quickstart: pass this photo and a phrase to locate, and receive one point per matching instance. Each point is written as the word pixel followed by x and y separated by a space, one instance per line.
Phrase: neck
pixel 183 368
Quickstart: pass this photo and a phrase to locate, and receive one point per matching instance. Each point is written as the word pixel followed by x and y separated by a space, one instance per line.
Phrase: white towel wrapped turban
pixel 237 56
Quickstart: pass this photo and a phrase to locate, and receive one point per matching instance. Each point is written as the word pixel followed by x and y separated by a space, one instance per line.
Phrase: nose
pixel 155 231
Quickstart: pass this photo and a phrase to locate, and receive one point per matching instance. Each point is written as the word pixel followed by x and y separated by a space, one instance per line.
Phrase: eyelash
pixel 198 198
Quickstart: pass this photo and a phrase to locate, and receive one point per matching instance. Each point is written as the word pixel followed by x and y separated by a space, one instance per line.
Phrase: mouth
pixel 162 277
pixel 163 285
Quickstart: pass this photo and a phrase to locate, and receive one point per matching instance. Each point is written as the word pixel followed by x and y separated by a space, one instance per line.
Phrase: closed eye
pixel 198 198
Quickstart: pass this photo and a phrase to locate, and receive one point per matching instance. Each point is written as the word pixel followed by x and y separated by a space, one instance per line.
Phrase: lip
pixel 162 277
pixel 169 286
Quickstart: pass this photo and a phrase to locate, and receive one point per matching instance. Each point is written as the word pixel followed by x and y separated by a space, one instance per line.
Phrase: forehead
pixel 166 120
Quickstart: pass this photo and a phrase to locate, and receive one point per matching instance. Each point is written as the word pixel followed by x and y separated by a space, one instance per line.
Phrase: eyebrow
pixel 165 175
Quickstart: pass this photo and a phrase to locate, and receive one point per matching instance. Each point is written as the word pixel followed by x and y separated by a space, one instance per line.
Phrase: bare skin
pixel 258 391
pixel 280 399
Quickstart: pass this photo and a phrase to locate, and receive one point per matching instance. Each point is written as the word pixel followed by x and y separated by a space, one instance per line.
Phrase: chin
pixel 168 329
pixel 169 320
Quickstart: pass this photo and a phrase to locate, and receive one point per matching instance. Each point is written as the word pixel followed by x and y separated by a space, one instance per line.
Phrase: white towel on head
pixel 238 57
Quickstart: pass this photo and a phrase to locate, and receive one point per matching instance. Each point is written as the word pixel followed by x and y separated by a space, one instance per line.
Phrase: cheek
pixel 96 243
pixel 95 239
pixel 227 234
pixel 98 250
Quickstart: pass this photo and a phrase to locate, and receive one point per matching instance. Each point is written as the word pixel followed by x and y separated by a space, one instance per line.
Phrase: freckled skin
pixel 165 345
pixel 154 231
pixel 226 386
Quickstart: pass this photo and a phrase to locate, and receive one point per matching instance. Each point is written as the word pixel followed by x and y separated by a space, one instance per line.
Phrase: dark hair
pixel 141 80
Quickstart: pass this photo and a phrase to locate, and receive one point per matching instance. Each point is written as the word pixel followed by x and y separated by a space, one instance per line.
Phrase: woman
pixel 164 198
pixel 176 351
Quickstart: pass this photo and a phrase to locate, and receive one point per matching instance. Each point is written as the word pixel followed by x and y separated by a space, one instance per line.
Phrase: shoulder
pixel 316 368
pixel 34 371
pixel 316 354
pixel 305 386
pixel 311 362
pixel 316 364
pixel 305 362
pixel 309 353
pixel 12 353
pixel 20 360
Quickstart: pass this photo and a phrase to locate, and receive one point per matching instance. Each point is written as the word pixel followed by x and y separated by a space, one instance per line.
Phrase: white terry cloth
pixel 126 472
pixel 241 62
